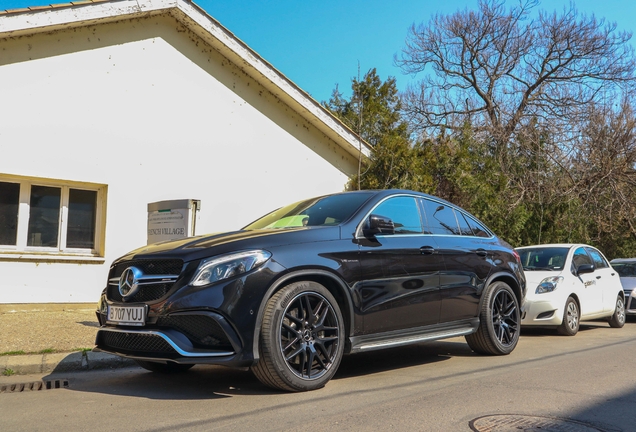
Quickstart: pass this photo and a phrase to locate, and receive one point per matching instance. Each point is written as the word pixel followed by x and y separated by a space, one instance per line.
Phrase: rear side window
pixel 464 228
pixel 440 219
pixel 599 261
pixel 478 229
pixel 404 213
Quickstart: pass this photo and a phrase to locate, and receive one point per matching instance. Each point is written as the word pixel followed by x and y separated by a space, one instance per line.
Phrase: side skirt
pixel 413 335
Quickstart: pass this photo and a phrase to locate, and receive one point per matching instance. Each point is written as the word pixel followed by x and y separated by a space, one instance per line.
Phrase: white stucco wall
pixel 148 109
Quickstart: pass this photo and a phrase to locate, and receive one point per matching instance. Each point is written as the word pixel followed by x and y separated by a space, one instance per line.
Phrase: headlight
pixel 101 305
pixel 227 266
pixel 549 284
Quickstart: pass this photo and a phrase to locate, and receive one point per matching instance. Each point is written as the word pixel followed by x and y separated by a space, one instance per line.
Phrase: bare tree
pixel 604 170
pixel 500 69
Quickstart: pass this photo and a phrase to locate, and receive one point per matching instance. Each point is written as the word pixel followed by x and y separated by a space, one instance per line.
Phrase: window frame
pixel 417 209
pixel 574 266
pixel 591 251
pixel 21 250
pixel 458 212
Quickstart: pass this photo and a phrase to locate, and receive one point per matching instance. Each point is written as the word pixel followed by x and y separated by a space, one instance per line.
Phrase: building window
pixel 9 201
pixel 47 216
pixel 82 206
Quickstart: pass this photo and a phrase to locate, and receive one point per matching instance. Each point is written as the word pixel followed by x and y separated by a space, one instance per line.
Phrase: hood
pixel 199 247
pixel 628 282
pixel 534 278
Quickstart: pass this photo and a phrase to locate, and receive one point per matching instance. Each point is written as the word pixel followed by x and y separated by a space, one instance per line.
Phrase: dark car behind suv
pixel 292 292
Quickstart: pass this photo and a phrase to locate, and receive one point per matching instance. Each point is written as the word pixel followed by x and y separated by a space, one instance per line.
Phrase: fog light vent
pixel 544 315
pixel 34 386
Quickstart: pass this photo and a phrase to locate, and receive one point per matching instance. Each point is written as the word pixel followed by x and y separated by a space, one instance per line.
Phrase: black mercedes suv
pixel 291 293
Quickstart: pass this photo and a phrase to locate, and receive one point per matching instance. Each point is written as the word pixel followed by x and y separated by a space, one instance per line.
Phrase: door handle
pixel 427 250
pixel 598 277
pixel 481 252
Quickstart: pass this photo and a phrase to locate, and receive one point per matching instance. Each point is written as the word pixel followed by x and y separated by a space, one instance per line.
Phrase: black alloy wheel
pixel 499 322
pixel 505 318
pixel 301 338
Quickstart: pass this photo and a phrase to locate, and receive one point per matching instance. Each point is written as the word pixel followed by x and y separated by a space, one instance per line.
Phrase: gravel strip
pixel 35 331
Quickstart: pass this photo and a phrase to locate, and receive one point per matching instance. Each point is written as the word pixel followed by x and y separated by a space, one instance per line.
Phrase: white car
pixel 626 268
pixel 568 283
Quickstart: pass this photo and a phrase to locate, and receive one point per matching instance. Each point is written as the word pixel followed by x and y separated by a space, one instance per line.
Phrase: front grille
pixel 146 293
pixel 148 290
pixel 138 344
pixel 203 331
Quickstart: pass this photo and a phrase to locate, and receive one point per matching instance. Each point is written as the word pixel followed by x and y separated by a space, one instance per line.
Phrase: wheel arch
pixel 621 294
pixel 336 286
pixel 509 279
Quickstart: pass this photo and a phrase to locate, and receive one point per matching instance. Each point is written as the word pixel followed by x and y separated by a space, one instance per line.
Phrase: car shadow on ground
pixel 544 332
pixel 367 363
pixel 89 323
pixel 214 382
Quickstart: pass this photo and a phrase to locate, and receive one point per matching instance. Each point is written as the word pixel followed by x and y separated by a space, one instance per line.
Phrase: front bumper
pixel 214 324
pixel 548 312
pixel 188 337
pixel 630 302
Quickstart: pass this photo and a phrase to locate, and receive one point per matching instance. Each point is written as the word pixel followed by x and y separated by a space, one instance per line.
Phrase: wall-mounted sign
pixel 170 220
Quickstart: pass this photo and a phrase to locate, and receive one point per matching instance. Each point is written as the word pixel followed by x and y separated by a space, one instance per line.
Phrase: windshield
pixel 321 211
pixel 545 258
pixel 625 269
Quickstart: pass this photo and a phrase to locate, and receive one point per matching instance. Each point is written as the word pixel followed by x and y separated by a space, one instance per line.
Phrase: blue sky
pixel 319 44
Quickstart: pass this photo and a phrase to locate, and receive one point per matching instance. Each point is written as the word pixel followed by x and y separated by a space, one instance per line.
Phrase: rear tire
pixel 302 338
pixel 163 367
pixel 617 320
pixel 499 321
pixel 571 318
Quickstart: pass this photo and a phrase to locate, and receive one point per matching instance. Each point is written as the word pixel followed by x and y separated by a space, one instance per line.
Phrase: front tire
pixel 571 317
pixel 617 320
pixel 499 321
pixel 302 338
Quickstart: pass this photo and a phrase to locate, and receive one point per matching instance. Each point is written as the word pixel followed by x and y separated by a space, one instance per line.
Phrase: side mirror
pixel 585 268
pixel 377 224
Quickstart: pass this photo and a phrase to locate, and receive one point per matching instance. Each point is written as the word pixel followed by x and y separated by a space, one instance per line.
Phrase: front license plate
pixel 127 315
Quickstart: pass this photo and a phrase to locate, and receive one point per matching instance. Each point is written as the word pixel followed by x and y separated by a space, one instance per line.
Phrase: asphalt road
pixel 588 379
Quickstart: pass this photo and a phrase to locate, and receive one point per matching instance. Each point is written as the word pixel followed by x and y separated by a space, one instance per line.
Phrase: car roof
pixel 567 245
pixel 388 192
pixel 623 260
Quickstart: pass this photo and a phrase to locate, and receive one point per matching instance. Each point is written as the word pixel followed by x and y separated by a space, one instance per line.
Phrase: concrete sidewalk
pixel 45 338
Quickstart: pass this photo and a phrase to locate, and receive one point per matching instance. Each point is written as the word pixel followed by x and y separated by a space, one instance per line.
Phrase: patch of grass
pixel 9 353
pixel 46 351
pixel 8 372
pixel 83 350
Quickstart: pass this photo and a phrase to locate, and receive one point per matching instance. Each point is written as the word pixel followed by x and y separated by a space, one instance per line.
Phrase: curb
pixel 62 362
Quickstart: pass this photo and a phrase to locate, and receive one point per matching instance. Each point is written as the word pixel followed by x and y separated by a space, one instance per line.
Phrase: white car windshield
pixel 625 269
pixel 543 258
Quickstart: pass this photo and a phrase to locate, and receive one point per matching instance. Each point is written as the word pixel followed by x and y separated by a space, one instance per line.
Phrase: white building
pixel 107 106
